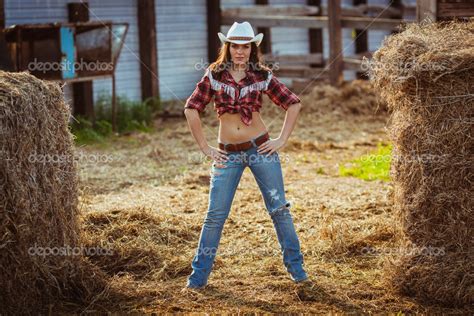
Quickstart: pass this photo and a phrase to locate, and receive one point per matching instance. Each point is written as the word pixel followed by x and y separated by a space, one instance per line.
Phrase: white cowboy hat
pixel 241 33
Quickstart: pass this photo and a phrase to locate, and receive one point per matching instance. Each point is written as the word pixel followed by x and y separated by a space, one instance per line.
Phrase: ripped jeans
pixel 224 181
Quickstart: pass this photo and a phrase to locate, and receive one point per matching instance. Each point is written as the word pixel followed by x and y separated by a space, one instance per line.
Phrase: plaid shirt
pixel 243 97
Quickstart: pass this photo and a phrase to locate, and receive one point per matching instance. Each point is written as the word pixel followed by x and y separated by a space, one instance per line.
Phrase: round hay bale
pixel 39 227
pixel 426 75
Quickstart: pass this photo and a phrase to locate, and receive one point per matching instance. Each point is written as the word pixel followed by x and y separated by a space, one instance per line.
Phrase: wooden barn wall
pixel 181 39
pixel 294 41
pixel 46 11
pixel 182 46
pixel 127 72
pixel 35 11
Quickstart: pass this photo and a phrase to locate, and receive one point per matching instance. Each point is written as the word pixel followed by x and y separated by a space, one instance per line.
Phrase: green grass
pixel 372 166
pixel 131 116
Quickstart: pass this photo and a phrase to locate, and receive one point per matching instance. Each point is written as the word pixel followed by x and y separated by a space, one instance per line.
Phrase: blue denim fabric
pixel 224 181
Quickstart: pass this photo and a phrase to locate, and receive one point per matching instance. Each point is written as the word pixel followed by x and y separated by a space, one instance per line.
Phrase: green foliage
pixel 372 166
pixel 103 127
pixel 84 132
pixel 131 116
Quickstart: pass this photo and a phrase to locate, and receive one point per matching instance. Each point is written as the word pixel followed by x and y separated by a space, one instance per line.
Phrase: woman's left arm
pixel 283 97
pixel 290 121
pixel 273 145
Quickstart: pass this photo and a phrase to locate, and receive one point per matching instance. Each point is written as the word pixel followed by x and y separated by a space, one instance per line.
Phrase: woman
pixel 237 80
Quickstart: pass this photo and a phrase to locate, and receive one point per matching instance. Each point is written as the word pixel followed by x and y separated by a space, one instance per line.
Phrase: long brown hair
pixel 223 61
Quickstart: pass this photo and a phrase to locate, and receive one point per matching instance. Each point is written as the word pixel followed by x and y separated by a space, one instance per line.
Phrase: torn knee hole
pixel 274 195
pixel 215 173
pixel 282 209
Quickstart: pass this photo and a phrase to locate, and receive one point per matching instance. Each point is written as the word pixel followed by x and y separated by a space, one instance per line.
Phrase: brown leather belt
pixel 245 145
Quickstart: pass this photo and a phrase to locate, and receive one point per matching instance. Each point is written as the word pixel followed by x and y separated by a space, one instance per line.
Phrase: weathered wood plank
pixel 304 86
pixel 148 48
pixel 371 23
pixel 361 41
pixel 361 10
pixel 83 92
pixel 460 8
pixel 284 21
pixel 262 9
pixel 426 9
pixel 316 58
pixel 335 42
pixel 315 35
pixel 213 26
pixel 317 22
pixel 266 45
pixel 299 72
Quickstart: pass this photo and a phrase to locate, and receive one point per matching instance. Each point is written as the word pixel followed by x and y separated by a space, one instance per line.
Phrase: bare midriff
pixel 232 130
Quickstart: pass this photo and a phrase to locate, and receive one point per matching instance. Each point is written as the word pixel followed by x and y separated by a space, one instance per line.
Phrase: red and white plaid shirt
pixel 243 97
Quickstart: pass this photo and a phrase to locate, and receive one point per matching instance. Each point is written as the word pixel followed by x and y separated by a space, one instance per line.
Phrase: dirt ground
pixel 336 218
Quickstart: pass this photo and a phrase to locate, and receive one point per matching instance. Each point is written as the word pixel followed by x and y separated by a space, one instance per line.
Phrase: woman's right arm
pixel 195 105
pixel 194 123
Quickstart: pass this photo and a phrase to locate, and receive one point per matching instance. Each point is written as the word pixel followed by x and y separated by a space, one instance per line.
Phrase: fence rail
pixel 308 67
pixel 360 17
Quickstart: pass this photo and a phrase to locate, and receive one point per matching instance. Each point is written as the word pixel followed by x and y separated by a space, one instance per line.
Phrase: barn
pixel 166 66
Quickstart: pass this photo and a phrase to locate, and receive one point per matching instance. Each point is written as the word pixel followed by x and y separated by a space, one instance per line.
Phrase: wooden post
pixel 148 48
pixel 397 4
pixel 335 42
pixel 316 36
pixel 361 41
pixel 266 45
pixel 2 14
pixel 5 59
pixel 82 91
pixel 213 26
pixel 426 9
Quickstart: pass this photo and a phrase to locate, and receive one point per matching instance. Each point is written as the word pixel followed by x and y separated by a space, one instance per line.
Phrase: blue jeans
pixel 224 181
